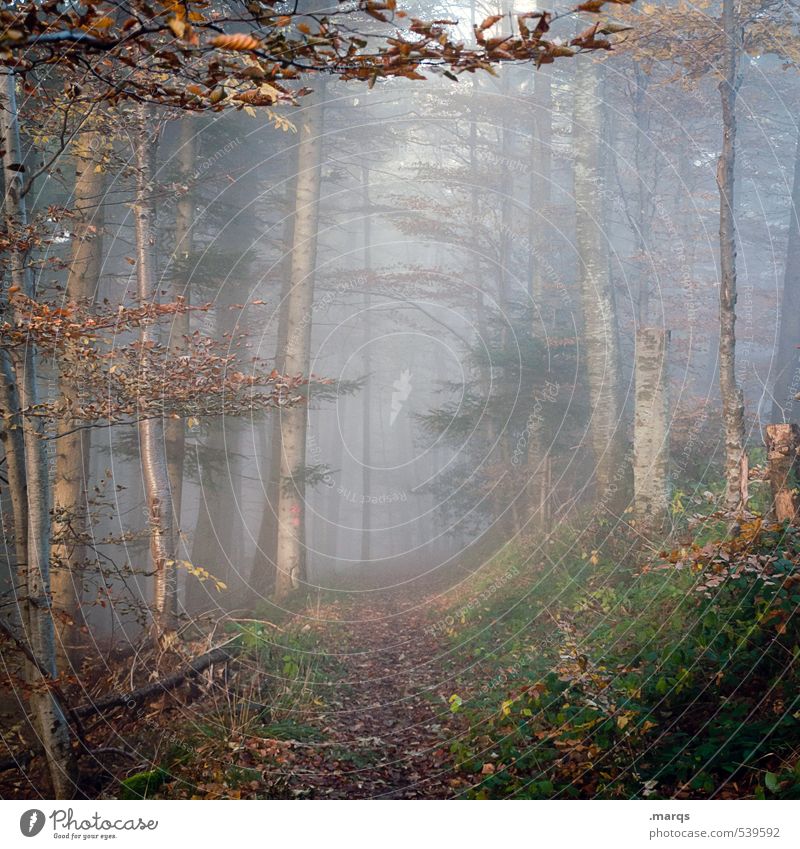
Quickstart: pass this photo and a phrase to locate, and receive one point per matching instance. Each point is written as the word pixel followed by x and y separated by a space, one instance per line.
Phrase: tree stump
pixel 783 443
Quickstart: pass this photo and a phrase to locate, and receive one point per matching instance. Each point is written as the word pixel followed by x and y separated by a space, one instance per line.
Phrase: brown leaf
pixel 490 22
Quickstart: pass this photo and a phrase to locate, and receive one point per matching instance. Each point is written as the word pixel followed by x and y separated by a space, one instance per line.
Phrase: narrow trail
pixel 384 721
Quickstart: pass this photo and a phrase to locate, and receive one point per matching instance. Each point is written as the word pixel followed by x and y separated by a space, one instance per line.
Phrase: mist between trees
pixel 314 313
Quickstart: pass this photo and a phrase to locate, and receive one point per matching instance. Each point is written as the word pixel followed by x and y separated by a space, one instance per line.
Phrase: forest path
pixel 383 717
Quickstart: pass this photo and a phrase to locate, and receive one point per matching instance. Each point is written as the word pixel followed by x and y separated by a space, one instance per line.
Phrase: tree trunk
pixel 299 307
pixel 174 429
pixel 601 344
pixel 540 186
pixel 537 463
pixel 14 450
pixel 783 445
pixel 151 429
pixel 505 279
pixel 73 446
pixel 732 395
pixel 651 428
pixel 265 558
pixel 787 380
pixel 49 719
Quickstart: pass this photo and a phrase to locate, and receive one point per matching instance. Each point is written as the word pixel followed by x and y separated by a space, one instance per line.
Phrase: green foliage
pixel 678 677
pixel 144 785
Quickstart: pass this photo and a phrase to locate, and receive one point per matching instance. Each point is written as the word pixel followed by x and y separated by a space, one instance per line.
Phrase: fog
pixel 447 300
pixel 297 338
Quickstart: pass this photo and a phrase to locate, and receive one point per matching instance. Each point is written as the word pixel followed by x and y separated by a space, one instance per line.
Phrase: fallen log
pixel 221 654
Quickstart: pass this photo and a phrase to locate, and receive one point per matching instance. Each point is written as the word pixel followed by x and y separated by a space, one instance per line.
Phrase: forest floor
pixel 588 677
pixel 383 718
pixel 356 691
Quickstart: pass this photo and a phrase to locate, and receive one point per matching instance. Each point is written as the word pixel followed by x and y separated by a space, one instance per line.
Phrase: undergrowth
pixel 608 670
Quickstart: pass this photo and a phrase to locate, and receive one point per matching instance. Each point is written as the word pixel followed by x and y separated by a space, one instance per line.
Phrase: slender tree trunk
pixel 73 446
pixel 333 514
pixel 504 285
pixel 732 395
pixel 174 429
pixel 151 430
pixel 601 344
pixel 539 235
pixel 540 180
pixel 787 381
pixel 300 304
pixel 651 428
pixel 14 449
pixel 49 719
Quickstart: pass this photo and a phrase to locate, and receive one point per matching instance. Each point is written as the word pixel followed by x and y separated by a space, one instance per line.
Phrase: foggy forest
pixel 400 401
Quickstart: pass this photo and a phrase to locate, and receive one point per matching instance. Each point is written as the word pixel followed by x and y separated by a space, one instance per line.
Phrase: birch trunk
pixel 151 430
pixel 651 428
pixel 601 344
pixel 297 353
pixel 73 446
pixel 48 717
pixel 732 395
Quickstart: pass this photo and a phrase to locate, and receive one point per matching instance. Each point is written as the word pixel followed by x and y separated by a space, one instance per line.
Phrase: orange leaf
pixel 236 41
